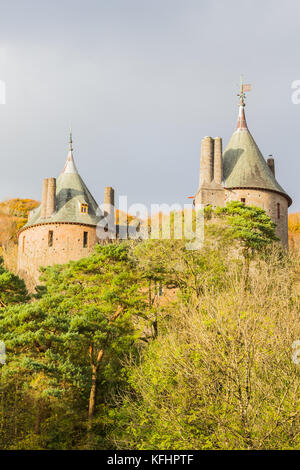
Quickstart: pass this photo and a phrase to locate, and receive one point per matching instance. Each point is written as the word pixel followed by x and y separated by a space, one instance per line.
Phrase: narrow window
pixel 85 239
pixel 278 210
pixel 23 244
pixel 84 208
pixel 243 200
pixel 50 238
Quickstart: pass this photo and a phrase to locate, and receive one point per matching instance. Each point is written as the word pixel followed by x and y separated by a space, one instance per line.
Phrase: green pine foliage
pixel 248 224
pixel 12 288
pixel 77 333
pixel 148 345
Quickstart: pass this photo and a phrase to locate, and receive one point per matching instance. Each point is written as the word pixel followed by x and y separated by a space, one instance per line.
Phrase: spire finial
pixel 70 165
pixel 70 141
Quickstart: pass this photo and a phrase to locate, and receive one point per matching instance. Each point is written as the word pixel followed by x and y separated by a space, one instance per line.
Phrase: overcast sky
pixel 142 82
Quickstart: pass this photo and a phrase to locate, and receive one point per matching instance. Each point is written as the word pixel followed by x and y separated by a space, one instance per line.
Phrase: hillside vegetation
pixel 13 216
pixel 294 230
pixel 104 358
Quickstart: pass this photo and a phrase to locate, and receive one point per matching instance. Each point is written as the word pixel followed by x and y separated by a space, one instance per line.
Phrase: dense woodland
pixel 148 345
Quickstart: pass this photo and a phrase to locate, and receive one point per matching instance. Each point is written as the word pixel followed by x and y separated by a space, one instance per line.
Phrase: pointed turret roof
pixel 71 192
pixel 70 166
pixel 243 163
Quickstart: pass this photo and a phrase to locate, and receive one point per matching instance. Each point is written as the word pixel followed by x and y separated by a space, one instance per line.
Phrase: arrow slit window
pixel 50 238
pixel 85 239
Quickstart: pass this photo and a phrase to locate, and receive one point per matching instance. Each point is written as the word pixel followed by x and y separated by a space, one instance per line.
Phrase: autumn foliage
pixel 294 230
pixel 13 216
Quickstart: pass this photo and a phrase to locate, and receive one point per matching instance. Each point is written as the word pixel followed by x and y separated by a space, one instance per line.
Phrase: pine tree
pixel 12 288
pixel 75 337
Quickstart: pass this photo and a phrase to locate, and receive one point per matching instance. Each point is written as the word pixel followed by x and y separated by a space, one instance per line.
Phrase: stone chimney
pixel 109 202
pixel 207 160
pixel 44 198
pixel 218 162
pixel 271 164
pixel 51 197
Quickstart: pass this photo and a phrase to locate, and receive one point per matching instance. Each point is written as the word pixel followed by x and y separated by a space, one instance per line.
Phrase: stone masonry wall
pixel 268 201
pixel 34 250
pixel 210 194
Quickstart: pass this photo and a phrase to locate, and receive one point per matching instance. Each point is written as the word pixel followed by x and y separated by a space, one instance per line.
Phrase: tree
pixel 12 288
pixel 170 264
pixel 251 227
pixel 220 373
pixel 75 337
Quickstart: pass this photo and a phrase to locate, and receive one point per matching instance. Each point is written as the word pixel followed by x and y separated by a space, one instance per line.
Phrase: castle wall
pixel 268 201
pixel 210 195
pixel 67 245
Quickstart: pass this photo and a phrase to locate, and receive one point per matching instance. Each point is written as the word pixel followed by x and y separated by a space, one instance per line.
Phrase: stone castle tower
pixel 242 174
pixel 63 227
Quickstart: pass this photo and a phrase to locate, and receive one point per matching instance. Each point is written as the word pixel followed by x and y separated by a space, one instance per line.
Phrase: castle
pixel 242 174
pixel 64 226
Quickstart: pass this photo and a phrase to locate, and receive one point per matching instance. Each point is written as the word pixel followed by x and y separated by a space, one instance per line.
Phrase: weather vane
pixel 245 87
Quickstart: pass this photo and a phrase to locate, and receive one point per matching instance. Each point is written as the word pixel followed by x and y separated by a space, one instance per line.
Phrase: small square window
pixel 243 200
pixel 84 208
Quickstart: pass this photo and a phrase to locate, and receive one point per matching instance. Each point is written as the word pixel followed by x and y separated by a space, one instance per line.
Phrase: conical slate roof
pixel 71 192
pixel 243 164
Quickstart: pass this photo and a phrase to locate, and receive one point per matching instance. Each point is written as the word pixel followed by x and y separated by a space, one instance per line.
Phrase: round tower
pixel 250 179
pixel 62 228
